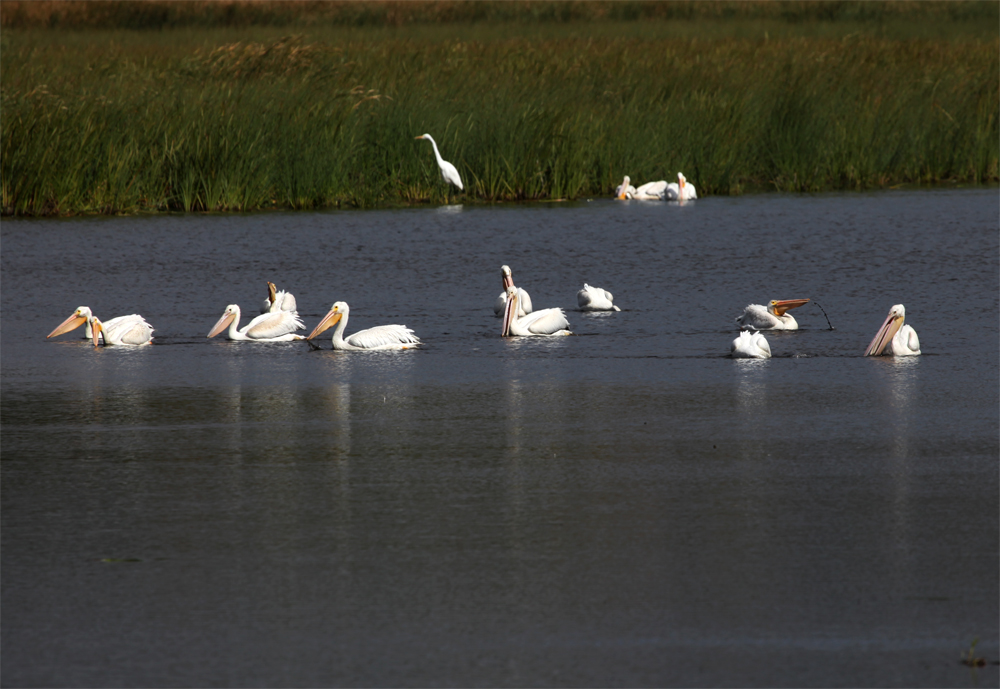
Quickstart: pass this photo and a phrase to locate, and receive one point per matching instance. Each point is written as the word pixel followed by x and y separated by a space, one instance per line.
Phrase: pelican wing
pixel 757 317
pixel 268 326
pixel 545 322
pixel 651 191
pixel 383 336
pixel 132 330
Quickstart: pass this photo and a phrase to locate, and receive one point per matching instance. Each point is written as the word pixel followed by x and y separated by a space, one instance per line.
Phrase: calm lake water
pixel 628 507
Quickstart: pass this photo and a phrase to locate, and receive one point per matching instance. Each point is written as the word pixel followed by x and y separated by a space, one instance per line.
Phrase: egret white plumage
pixel 681 190
pixel 770 317
pixel 129 330
pixel 750 346
pixel 547 322
pixel 380 337
pixel 448 172
pixel 276 326
pixel 900 339
pixel 524 301
pixel 278 300
pixel 595 299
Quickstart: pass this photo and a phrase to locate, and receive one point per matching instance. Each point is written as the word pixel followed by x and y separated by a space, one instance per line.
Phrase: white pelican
pixel 524 301
pixel 448 171
pixel 545 322
pixel 750 346
pixel 279 326
pixel 680 190
pixel 595 299
pixel 133 329
pixel 278 301
pixel 770 317
pixel 625 190
pixel 379 337
pixel 901 339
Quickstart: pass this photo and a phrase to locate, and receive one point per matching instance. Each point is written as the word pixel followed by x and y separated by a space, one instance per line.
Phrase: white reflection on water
pixel 454 208
pixel 902 375
pixel 751 405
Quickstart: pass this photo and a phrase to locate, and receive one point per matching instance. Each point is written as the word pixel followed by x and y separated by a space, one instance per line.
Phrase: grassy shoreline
pixel 255 117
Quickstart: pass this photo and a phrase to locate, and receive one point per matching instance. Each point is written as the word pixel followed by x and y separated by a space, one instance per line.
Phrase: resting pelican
pixel 545 322
pixel 595 299
pixel 750 346
pixel 625 190
pixel 379 337
pixel 278 301
pixel 524 301
pixel 771 317
pixel 279 326
pixel 650 191
pixel 132 329
pixel 448 172
pixel 901 339
pixel 680 190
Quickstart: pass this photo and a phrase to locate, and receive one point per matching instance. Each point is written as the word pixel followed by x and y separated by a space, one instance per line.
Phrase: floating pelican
pixel 770 317
pixel 129 330
pixel 278 301
pixel 545 322
pixel 750 346
pixel 650 191
pixel 448 172
pixel 624 190
pixel 278 326
pixel 595 299
pixel 901 339
pixel 379 337
pixel 680 190
pixel 524 301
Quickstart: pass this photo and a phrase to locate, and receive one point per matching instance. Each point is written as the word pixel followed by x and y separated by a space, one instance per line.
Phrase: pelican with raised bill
pixel 681 190
pixel 772 316
pixel 750 346
pixel 123 330
pixel 381 337
pixel 547 322
pixel 524 301
pixel 278 301
pixel 276 326
pixel 901 340
pixel 595 299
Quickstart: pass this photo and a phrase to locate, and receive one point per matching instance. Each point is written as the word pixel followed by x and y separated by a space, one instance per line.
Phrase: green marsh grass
pixel 255 117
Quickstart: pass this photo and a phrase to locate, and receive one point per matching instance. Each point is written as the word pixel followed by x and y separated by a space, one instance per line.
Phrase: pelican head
pixel 337 312
pixel 232 312
pixel 508 279
pixel 777 307
pixel 272 291
pixel 624 188
pixel 681 181
pixel 78 318
pixel 893 322
pixel 510 312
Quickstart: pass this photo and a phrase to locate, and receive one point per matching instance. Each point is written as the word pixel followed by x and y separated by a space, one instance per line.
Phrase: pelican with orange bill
pixel 899 339
pixel 770 317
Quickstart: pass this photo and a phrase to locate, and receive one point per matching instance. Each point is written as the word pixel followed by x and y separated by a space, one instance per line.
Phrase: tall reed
pixel 197 119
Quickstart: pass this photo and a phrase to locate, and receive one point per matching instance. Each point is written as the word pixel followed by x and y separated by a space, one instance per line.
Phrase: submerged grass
pixel 187 119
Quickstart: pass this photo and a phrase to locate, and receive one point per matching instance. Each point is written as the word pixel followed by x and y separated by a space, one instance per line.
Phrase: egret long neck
pixel 437 154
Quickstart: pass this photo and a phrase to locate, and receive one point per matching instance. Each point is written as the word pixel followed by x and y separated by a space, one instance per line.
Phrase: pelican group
pixel 595 299
pixel 681 190
pixel 380 337
pixel 123 330
pixel 770 317
pixel 900 339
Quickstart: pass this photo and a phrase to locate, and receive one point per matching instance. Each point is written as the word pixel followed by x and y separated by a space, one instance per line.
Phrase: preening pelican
pixel 770 317
pixel 278 301
pixel 278 326
pixel 595 299
pixel 901 339
pixel 625 190
pixel 129 330
pixel 680 190
pixel 379 337
pixel 448 171
pixel 545 322
pixel 650 191
pixel 524 301
pixel 750 346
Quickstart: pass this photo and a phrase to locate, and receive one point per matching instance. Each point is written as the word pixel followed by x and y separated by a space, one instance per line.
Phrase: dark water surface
pixel 628 507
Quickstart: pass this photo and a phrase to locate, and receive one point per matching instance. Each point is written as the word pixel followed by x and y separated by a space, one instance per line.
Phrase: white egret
pixel 448 171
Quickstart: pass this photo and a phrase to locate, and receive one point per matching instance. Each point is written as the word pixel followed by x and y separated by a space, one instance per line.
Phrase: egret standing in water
pixel 448 172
